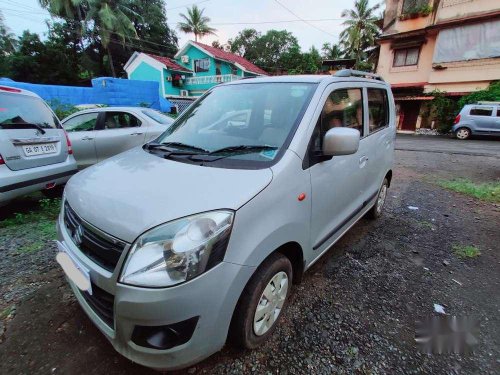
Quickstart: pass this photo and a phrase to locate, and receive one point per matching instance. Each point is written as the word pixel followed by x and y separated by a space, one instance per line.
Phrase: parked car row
pixel 38 153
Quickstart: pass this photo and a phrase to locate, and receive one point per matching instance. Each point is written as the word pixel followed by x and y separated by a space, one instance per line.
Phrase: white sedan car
pixel 99 133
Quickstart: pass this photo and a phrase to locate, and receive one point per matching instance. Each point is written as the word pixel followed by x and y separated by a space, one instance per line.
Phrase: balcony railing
pixel 204 80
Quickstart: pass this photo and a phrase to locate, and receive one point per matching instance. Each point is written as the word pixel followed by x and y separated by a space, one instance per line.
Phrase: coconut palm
pixel 195 22
pixel 108 18
pixel 360 31
pixel 331 51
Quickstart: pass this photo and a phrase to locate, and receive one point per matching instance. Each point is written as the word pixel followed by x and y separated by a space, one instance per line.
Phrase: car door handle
pixel 136 133
pixel 362 161
pixel 87 138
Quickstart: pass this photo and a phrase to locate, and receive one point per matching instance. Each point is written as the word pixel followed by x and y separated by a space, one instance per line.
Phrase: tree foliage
pixel 195 23
pixel 491 94
pixel 331 51
pixel 360 33
pixel 276 51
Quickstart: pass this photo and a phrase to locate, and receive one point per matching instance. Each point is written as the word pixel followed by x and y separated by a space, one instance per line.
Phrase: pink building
pixel 446 45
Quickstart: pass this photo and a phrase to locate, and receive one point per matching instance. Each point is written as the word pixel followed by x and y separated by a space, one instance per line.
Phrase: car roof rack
pixel 357 73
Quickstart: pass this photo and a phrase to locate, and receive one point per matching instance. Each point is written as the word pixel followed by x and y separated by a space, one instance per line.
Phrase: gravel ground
pixel 354 312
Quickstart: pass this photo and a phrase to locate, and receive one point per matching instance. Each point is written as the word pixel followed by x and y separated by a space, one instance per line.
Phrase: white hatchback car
pixel 99 133
pixel 174 247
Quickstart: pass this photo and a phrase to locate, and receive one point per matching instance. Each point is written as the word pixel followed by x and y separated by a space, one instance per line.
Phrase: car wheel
pixel 262 302
pixel 463 133
pixel 376 211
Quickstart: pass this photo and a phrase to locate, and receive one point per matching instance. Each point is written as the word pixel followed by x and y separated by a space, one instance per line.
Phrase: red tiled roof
pixel 231 57
pixel 169 63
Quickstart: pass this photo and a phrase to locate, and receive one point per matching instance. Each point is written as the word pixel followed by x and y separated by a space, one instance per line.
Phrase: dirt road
pixel 354 312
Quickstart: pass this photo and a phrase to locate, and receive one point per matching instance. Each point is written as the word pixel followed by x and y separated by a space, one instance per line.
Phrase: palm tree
pixel 196 23
pixel 331 51
pixel 360 31
pixel 108 18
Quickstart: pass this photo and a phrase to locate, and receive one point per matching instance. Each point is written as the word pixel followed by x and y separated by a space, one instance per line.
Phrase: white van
pixel 197 237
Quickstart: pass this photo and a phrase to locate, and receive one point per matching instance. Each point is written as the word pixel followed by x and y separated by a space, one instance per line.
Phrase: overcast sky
pixel 28 15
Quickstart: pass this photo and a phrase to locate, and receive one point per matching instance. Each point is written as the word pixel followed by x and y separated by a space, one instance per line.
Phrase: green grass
pixel 35 227
pixel 31 247
pixel 487 191
pixel 465 252
pixel 7 311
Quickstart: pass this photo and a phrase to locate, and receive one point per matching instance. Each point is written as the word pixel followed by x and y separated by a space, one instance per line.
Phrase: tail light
pixel 68 142
pixel 1 160
pixel 457 120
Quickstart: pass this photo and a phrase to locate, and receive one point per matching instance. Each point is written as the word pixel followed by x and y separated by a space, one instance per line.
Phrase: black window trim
pixel 306 160
pixel 368 110
pixel 78 114
pixel 406 56
pixel 102 116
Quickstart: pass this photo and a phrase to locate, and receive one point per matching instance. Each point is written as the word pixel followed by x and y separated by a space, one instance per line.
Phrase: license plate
pixel 77 273
pixel 39 149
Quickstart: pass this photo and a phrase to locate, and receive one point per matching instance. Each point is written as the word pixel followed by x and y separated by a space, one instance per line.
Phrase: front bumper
pixel 212 297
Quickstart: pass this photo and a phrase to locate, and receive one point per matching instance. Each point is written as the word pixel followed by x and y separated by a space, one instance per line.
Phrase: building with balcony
pixel 447 45
pixel 194 69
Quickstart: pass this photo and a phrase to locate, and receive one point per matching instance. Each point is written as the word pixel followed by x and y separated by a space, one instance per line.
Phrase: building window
pixel 406 57
pixel 201 65
pixel 234 70
pixel 415 6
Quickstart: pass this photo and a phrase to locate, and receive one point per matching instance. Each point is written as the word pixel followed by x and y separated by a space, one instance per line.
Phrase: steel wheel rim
pixel 270 303
pixel 381 198
pixel 463 133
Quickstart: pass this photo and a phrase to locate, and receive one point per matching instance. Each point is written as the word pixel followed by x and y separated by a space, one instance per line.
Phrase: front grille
pixel 103 250
pixel 102 303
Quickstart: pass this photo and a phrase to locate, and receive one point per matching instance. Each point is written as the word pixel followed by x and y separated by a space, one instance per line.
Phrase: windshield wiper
pixel 183 146
pixel 241 149
pixel 22 125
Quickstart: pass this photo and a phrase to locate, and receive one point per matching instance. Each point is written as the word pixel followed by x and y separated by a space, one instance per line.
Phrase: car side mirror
pixel 341 141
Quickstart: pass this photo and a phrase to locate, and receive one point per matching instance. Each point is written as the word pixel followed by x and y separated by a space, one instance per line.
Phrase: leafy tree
pixel 196 23
pixel 8 40
pixel 245 44
pixel 331 51
pixel 153 33
pixel 360 31
pixel 443 110
pixel 219 45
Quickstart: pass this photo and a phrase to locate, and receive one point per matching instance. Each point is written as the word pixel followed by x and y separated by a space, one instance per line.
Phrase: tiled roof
pixel 169 63
pixel 231 57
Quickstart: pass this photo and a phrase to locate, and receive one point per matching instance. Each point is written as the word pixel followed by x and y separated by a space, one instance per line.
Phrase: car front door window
pixel 85 122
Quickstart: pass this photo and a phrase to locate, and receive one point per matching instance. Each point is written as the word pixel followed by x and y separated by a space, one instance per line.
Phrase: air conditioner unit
pixel 184 93
pixel 185 59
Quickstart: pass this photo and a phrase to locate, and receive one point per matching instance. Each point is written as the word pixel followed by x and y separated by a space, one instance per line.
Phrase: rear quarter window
pixel 481 111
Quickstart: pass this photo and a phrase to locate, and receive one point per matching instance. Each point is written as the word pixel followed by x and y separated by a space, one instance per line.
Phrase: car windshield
pixel 22 111
pixel 247 122
pixel 157 116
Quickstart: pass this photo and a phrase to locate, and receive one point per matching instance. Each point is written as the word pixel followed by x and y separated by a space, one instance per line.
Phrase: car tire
pixel 274 279
pixel 376 211
pixel 463 133
pixel 55 192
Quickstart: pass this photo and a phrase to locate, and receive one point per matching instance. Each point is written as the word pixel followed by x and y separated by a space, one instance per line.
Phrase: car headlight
pixel 178 251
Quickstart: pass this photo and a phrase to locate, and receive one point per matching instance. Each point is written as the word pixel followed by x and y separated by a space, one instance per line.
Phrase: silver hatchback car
pixel 35 153
pixel 477 119
pixel 99 133
pixel 197 237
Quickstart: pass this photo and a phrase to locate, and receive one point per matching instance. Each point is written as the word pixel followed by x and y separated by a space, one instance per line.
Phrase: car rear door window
pixel 85 122
pixel 120 120
pixel 378 109
pixel 481 111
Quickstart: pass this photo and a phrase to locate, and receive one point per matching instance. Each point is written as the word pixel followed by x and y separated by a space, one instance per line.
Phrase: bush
pixel 492 93
pixel 62 110
pixel 443 110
